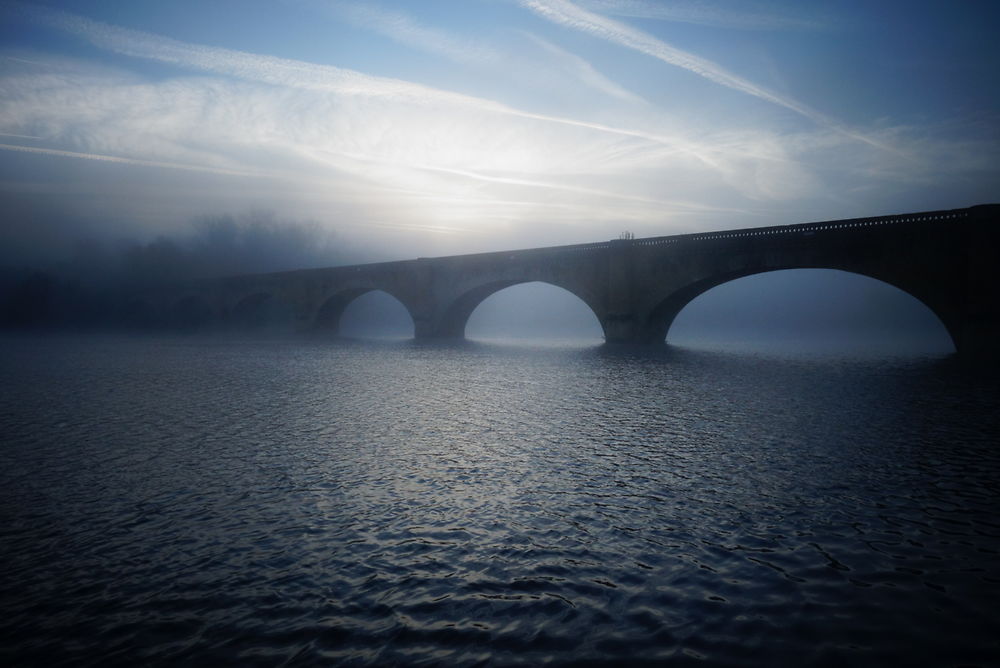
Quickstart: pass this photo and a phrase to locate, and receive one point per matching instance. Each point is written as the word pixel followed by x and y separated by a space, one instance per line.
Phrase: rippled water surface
pixel 192 501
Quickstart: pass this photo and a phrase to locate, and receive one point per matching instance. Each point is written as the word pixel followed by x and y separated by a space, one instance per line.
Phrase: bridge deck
pixel 796 228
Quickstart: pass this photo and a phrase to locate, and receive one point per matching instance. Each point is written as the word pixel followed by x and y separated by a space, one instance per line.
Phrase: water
pixel 204 501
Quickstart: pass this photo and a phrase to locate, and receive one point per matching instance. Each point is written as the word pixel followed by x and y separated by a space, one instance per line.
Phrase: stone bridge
pixel 948 260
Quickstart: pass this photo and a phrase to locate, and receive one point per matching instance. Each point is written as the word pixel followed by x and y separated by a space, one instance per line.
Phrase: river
pixel 202 500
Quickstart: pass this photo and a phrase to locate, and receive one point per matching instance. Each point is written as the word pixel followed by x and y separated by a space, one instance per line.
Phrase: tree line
pixel 88 288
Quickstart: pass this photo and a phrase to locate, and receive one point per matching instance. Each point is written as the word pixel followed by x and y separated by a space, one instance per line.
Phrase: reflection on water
pixel 197 500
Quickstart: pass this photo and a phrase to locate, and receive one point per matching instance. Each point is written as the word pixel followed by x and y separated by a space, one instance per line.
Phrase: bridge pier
pixel 424 329
pixel 628 328
pixel 980 341
pixel 975 300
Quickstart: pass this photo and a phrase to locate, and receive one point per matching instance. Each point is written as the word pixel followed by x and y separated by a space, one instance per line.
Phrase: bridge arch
pixel 261 309
pixel 663 315
pixel 456 316
pixel 330 313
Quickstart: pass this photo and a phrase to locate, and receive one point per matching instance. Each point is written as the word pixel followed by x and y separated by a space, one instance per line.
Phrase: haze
pixel 405 129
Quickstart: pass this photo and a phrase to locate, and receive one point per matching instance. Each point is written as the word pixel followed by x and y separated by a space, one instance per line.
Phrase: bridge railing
pixel 800 228
pixel 797 228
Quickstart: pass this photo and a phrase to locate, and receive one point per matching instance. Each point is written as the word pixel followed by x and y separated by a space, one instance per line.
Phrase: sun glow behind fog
pixel 488 126
pixel 457 169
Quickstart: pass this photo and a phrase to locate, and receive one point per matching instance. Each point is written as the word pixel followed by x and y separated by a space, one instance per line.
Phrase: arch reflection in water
pixel 533 310
pixel 811 310
pixel 375 314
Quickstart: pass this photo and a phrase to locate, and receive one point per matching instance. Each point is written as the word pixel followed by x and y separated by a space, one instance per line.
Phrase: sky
pixel 452 126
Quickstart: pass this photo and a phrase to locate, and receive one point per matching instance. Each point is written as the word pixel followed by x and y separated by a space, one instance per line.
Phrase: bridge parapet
pixel 799 228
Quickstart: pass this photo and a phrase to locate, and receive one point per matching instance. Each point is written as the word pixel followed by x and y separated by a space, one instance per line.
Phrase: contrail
pixel 699 13
pixel 674 206
pixel 490 178
pixel 402 28
pixel 11 134
pixel 586 72
pixel 126 161
pixel 566 13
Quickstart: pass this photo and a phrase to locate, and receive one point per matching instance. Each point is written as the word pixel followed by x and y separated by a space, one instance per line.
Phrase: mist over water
pixel 527 496
pixel 79 281
pixel 201 465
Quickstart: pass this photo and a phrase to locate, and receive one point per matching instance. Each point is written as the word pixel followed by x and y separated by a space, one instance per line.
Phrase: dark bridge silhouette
pixel 636 287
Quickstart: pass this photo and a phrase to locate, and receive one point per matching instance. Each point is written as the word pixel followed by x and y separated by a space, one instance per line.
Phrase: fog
pixel 80 282
pixel 787 310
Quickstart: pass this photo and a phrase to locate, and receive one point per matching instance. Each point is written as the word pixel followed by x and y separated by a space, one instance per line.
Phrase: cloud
pixel 749 16
pixel 290 73
pixel 320 78
pixel 230 130
pixel 446 167
pixel 393 164
pixel 243 65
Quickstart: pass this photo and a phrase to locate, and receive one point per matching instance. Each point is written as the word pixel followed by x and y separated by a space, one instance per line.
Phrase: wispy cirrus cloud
pixel 299 74
pixel 244 65
pixel 390 163
pixel 394 154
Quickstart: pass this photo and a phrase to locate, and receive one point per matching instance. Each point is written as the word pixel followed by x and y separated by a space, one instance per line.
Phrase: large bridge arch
pixel 661 316
pixel 456 315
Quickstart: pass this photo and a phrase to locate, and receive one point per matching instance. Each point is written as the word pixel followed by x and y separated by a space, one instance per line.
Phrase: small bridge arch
pixel 262 309
pixel 331 309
